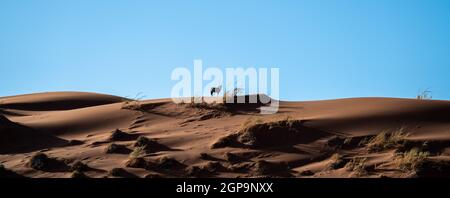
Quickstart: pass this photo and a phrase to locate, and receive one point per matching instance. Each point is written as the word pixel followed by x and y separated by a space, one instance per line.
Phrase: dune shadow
pixel 16 138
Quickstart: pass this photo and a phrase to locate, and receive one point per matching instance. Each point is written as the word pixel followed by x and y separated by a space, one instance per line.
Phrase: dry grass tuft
pixel 258 134
pixel 79 166
pixel 412 160
pixel 116 148
pixel 134 104
pixel 138 152
pixel 337 161
pixel 251 121
pixel 387 140
pixel 358 165
pixel 78 174
pixel 136 162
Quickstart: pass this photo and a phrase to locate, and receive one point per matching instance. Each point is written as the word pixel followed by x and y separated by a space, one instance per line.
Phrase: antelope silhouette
pixel 216 90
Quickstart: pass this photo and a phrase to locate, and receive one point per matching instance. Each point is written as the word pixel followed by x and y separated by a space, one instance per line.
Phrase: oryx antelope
pixel 216 90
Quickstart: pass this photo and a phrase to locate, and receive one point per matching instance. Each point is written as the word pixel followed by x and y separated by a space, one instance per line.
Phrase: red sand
pixel 46 123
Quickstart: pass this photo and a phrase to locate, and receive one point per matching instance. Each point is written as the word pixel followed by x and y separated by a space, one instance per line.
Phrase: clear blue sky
pixel 324 49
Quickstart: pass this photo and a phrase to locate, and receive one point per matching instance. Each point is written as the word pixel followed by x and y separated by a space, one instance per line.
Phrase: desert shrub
pixel 358 165
pixel 136 162
pixel 78 174
pixel 214 166
pixel 169 163
pixel 232 158
pixel 149 145
pixel 412 160
pixel 120 172
pixel 263 134
pixel 348 140
pixel 79 166
pixel 119 135
pixel 39 161
pixel 387 140
pixel 142 141
pixel 138 152
pixel 267 134
pixel 424 95
pixel 251 121
pixel 135 103
pixel 263 167
pixel 116 148
pixel 199 103
pixel 197 171
pixel 337 161
pixel 116 172
pixel 225 141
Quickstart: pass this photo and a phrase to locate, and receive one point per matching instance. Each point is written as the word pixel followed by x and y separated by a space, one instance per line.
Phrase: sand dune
pixel 16 138
pixel 57 101
pixel 356 137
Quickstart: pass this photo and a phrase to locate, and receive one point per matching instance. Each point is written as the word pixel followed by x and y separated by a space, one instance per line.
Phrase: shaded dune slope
pixel 15 138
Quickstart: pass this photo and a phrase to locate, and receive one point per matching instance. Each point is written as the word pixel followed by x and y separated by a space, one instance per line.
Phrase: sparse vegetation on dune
pixel 387 140
pixel 135 103
pixel 117 148
pixel 149 145
pixel 119 135
pixel 225 141
pixel 205 105
pixel 424 95
pixel 265 134
pixel 227 103
pixel 357 165
pixel 78 174
pixel 136 162
pixel 251 121
pixel 232 158
pixel 198 171
pixel 337 161
pixel 40 161
pixel 142 146
pixel 321 139
pixel 138 152
pixel 412 160
pixel 79 166
pixel 143 141
pixel 169 163
pixel 268 134
pixel 120 172
pixel 263 167
pixel 214 166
